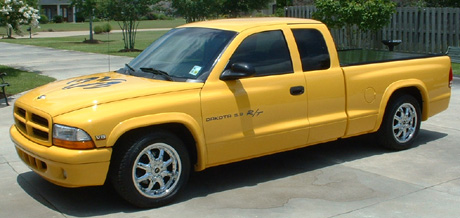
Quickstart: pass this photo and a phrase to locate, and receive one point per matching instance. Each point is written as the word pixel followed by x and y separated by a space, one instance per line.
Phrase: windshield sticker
pixel 195 70
pixel 93 82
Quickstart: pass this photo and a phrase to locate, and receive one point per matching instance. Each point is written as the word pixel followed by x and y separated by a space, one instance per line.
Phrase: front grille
pixel 31 161
pixel 34 124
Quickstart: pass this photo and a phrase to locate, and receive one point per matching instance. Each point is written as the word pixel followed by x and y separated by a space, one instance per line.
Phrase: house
pixel 62 8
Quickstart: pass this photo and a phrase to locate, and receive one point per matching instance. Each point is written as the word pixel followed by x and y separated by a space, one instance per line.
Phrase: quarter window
pixel 267 52
pixel 313 49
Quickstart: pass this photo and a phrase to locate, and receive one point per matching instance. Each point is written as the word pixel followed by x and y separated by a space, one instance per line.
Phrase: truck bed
pixel 361 56
pixel 370 85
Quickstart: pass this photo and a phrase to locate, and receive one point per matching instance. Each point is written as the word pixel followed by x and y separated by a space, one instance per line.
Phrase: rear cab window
pixel 312 48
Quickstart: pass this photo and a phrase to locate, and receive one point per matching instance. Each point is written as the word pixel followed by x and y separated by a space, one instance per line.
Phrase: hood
pixel 81 92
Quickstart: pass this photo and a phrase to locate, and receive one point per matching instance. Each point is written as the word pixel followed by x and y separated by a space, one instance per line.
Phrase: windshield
pixel 181 54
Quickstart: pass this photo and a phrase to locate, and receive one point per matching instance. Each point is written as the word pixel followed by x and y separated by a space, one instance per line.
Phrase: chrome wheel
pixel 401 123
pixel 149 169
pixel 156 170
pixel 405 123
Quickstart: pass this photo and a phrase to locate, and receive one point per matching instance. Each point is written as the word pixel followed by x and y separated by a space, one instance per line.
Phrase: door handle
pixel 297 90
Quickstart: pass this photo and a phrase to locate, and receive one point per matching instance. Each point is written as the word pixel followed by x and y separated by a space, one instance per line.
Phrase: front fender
pixel 164 118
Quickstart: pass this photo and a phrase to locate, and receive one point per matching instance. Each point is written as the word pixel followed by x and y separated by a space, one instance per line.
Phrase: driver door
pixel 258 115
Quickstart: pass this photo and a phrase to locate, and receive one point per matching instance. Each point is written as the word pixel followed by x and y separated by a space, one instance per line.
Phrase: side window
pixel 313 49
pixel 267 52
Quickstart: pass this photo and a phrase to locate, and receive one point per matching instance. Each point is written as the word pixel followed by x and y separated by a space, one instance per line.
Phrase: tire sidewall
pixel 124 183
pixel 386 135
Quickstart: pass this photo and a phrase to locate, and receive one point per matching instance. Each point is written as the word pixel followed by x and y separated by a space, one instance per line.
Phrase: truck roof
pixel 240 24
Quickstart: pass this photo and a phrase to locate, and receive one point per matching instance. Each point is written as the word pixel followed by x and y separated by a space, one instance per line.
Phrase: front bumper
pixel 61 166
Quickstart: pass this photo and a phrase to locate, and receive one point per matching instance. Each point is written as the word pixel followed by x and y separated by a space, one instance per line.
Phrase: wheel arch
pixel 182 125
pixel 415 88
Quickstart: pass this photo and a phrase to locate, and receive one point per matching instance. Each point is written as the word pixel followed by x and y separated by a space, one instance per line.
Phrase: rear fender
pixel 394 88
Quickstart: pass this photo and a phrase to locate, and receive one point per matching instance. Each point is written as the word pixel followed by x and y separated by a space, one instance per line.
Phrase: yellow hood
pixel 81 92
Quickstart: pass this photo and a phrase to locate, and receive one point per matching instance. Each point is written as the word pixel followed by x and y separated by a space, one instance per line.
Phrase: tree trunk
pixel 9 32
pixel 91 26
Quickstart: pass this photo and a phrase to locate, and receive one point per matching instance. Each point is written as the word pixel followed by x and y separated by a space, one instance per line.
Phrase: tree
pixel 128 14
pixel 14 13
pixel 428 3
pixel 88 9
pixel 32 3
pixel 280 5
pixel 443 3
pixel 196 10
pixel 234 8
pixel 364 14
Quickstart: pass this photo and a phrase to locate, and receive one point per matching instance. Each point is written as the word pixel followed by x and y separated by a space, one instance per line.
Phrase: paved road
pixel 348 178
pixel 60 64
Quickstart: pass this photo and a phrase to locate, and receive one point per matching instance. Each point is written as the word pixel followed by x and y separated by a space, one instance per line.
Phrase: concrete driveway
pixel 347 178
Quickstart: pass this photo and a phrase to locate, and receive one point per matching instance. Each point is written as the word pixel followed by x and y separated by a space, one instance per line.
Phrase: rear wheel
pixel 401 123
pixel 152 170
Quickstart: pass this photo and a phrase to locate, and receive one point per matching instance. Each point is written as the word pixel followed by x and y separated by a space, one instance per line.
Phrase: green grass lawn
pixel 21 81
pixel 456 69
pixel 110 43
pixel 145 24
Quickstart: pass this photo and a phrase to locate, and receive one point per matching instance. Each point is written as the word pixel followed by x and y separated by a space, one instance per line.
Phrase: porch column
pixel 59 11
pixel 73 15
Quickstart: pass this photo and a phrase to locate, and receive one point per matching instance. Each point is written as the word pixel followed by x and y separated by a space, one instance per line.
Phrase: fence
pixel 422 30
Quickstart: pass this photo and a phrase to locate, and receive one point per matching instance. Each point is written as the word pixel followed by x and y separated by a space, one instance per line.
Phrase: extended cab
pixel 216 92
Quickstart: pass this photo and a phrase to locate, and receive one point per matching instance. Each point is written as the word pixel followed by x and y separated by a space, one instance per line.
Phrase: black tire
pixel 150 171
pixel 401 123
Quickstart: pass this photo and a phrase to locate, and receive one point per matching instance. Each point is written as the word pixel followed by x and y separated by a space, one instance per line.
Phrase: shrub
pixel 163 17
pixel 58 19
pixel 152 16
pixel 44 19
pixel 106 28
pixel 79 17
pixel 98 29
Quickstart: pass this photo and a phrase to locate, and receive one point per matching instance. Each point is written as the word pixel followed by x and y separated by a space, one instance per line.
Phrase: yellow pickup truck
pixel 216 92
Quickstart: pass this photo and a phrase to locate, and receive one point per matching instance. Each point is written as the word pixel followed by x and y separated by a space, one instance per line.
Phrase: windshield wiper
pixel 157 72
pixel 130 69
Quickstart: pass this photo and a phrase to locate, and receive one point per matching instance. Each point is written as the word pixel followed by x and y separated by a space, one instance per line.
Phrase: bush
pixel 79 17
pixel 44 19
pixel 58 19
pixel 163 17
pixel 280 12
pixel 106 28
pixel 98 29
pixel 152 16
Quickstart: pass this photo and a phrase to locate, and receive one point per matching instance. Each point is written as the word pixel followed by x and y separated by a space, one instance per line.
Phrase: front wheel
pixel 401 123
pixel 152 170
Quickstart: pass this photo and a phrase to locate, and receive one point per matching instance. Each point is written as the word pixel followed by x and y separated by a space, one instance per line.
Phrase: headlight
pixel 70 137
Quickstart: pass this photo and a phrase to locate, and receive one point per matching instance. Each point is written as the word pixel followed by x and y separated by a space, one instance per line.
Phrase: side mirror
pixel 238 71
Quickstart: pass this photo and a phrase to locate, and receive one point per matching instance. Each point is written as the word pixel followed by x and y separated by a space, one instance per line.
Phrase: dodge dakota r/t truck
pixel 216 92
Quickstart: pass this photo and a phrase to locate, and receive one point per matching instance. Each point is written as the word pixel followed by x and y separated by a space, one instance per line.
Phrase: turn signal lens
pixel 74 145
